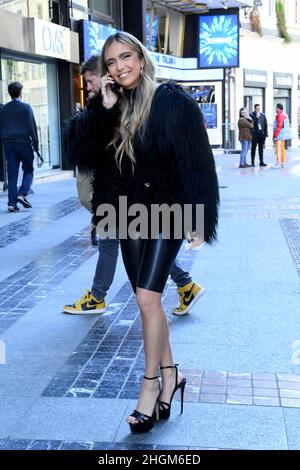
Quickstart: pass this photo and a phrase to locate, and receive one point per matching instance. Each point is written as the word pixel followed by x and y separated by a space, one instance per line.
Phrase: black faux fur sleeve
pixel 87 134
pixel 181 136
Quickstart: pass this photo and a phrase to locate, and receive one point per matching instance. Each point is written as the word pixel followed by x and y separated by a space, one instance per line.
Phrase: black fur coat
pixel 174 161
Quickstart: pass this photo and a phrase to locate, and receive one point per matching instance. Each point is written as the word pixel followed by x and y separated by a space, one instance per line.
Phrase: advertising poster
pixel 218 41
pixel 209 111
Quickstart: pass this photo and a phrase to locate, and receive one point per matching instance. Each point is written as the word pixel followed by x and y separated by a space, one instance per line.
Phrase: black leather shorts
pixel 149 262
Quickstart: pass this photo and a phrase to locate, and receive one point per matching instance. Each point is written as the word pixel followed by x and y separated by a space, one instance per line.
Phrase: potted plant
pixel 281 22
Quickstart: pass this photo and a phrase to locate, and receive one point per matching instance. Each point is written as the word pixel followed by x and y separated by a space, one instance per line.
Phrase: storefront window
pixel 103 7
pixel 20 6
pixel 282 96
pixel 157 23
pixel 80 10
pixel 164 30
pixel 209 98
pixel 205 97
pixel 40 91
pixel 81 3
pixel 39 9
pixel 29 8
pixel 253 96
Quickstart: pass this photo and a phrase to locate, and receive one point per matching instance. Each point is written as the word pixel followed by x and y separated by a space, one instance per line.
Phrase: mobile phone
pixel 115 87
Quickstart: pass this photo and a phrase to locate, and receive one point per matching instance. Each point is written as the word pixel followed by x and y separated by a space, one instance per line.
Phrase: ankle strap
pixel 169 367
pixel 176 370
pixel 150 378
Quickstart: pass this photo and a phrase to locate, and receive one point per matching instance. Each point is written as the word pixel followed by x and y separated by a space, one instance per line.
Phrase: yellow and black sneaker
pixel 188 295
pixel 86 305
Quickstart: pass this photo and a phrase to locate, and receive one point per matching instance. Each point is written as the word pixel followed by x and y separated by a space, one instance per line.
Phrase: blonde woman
pixel 153 148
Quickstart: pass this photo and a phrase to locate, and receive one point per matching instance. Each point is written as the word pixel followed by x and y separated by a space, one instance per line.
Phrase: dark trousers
pixel 260 141
pixel 16 154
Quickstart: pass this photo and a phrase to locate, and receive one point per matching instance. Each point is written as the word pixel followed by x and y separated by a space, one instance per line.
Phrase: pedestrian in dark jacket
pixel 152 148
pixel 19 135
pixel 245 125
pixel 259 135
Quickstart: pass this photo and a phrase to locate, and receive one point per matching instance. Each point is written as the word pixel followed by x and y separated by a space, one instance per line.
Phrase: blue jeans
pixel 106 267
pixel 16 154
pixel 180 277
pixel 245 147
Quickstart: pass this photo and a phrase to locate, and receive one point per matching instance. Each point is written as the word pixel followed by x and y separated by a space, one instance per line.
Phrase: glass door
pixel 41 92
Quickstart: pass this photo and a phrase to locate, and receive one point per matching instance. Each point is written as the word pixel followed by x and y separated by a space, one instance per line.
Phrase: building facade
pixel 37 48
pixel 42 44
pixel 269 69
pixel 267 73
pixel 170 32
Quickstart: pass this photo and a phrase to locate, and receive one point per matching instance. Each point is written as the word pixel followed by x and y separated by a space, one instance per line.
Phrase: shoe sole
pixel 84 312
pixel 197 297
pixel 24 204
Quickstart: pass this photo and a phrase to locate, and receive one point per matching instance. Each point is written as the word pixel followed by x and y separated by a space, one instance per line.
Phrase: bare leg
pixel 157 352
pixel 147 264
pixel 153 321
pixel 168 375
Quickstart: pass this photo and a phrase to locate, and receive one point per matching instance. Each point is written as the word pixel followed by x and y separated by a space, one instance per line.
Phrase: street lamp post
pixel 227 72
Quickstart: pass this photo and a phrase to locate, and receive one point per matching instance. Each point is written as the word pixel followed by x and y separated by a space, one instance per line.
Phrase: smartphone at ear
pixel 115 87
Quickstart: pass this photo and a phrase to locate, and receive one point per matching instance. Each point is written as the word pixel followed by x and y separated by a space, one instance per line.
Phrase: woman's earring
pixel 142 70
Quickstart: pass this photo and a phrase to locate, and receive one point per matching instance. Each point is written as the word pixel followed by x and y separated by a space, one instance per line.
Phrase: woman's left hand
pixel 193 240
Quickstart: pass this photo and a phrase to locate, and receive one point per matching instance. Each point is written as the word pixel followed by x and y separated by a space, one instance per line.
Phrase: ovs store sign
pixel 52 40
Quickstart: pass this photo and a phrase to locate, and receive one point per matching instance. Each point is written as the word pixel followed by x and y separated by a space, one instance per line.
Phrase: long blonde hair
pixel 134 110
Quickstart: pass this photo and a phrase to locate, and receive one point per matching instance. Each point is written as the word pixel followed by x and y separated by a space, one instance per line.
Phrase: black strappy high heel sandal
pixel 165 408
pixel 145 422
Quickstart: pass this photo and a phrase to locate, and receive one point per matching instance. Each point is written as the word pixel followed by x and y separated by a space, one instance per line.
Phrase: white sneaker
pixel 24 201
pixel 12 208
pixel 276 166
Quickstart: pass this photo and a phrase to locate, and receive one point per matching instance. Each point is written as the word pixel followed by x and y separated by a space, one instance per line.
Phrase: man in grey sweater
pixel 19 135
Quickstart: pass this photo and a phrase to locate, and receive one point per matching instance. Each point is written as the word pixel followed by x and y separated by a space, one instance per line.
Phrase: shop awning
pixel 199 6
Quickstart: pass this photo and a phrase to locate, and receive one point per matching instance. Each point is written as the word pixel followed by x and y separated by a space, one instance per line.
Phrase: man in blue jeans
pixel 19 135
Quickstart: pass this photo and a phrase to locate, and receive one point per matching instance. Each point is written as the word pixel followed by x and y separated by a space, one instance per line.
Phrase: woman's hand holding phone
pixel 108 95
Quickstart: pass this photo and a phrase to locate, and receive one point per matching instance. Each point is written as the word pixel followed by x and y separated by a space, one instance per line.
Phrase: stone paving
pixel 30 285
pixel 239 346
pixel 291 229
pixel 23 444
pixel 15 230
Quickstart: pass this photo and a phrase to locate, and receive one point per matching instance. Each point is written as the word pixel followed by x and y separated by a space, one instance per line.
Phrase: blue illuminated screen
pixel 154 31
pixel 218 41
pixel 95 35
